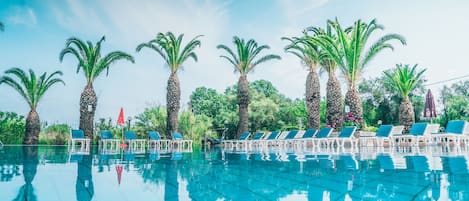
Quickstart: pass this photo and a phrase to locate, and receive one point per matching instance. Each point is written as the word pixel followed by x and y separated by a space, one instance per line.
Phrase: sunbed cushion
pixel 291 134
pixel 324 132
pixel 455 126
pixel 106 135
pixel 77 134
pixel 258 136
pixel 130 135
pixel 177 136
pixel 154 135
pixel 273 135
pixel 347 131
pixel 244 136
pixel 309 133
pixel 384 131
pixel 418 129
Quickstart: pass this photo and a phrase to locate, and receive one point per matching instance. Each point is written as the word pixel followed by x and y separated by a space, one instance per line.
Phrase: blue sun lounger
pixel 456 131
pixel 157 142
pixel 347 134
pixel 270 139
pixel 77 136
pixel 322 136
pixel 180 142
pixel 134 142
pixel 108 142
pixel 308 135
pixel 232 143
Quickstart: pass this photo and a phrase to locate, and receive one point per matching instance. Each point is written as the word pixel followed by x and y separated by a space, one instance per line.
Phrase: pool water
pixel 54 174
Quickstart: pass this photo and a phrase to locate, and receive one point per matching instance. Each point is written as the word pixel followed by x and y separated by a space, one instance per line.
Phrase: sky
pixel 36 31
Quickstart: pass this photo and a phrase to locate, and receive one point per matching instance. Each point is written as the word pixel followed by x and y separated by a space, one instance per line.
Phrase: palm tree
pixel 309 53
pixel 169 47
pixel 92 64
pixel 244 63
pixel 404 79
pixel 349 52
pixel 32 89
pixel 333 89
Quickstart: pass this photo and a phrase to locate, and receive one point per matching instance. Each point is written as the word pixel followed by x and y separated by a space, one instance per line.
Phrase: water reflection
pixel 30 162
pixel 247 175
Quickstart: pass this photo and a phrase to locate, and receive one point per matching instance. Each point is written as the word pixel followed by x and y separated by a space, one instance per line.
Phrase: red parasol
pixel 120 119
pixel 119 173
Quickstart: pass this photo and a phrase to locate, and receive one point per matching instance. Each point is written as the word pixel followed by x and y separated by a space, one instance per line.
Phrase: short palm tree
pixel 244 63
pixel 404 79
pixel 352 54
pixel 309 53
pixel 92 64
pixel 32 89
pixel 171 50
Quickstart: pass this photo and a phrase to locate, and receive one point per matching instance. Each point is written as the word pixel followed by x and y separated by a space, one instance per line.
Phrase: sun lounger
pixel 456 131
pixel 254 141
pixel 180 142
pixel 157 142
pixel 134 143
pixel 418 163
pixel 418 132
pixel 108 141
pixel 270 138
pixel 383 134
pixel 78 136
pixel 231 143
pixel 347 134
pixel 308 135
pixel 321 137
pixel 290 136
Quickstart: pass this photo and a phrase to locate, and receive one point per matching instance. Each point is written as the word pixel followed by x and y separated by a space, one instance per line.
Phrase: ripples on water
pixel 52 173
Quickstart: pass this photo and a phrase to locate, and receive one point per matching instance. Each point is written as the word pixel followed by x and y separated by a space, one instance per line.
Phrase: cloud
pixel 22 16
pixel 298 8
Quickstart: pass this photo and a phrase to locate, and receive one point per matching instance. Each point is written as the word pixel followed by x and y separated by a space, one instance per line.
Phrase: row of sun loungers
pixel 108 142
pixel 456 133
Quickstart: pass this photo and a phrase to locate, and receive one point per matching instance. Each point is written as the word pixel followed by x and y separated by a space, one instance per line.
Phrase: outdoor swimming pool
pixel 51 173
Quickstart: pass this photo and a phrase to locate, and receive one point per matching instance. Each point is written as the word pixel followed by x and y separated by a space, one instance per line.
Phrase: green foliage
pixel 12 128
pixel 57 134
pixel 30 87
pixel 243 61
pixel 152 119
pixel 195 127
pixel 381 101
pixel 403 79
pixel 350 49
pixel 169 48
pixel 89 57
pixel 206 101
pixel 455 100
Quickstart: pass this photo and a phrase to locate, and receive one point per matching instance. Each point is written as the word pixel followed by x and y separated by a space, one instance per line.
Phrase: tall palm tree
pixel 32 89
pixel 333 89
pixel 92 64
pixel 244 63
pixel 309 53
pixel 169 47
pixel 404 79
pixel 352 54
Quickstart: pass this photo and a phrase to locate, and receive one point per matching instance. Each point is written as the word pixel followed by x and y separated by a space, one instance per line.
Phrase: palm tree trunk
pixel 313 99
pixel 334 102
pixel 84 187
pixel 173 97
pixel 406 114
pixel 353 100
pixel 243 103
pixel 33 127
pixel 88 103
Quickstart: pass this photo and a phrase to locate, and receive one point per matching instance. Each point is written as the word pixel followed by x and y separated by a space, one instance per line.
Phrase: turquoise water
pixel 51 173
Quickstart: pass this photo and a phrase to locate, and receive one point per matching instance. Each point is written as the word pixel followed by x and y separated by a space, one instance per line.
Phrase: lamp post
pixel 128 122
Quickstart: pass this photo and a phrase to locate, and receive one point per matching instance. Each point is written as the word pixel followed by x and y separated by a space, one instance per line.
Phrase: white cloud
pixel 22 16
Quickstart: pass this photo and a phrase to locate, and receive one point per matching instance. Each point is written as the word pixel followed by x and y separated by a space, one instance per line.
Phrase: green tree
pixel 92 64
pixel 404 79
pixel 352 54
pixel 12 128
pixel 32 89
pixel 455 101
pixel 244 62
pixel 152 119
pixel 310 55
pixel 169 48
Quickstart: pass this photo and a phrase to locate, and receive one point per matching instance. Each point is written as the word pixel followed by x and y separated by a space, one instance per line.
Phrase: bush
pixel 12 128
